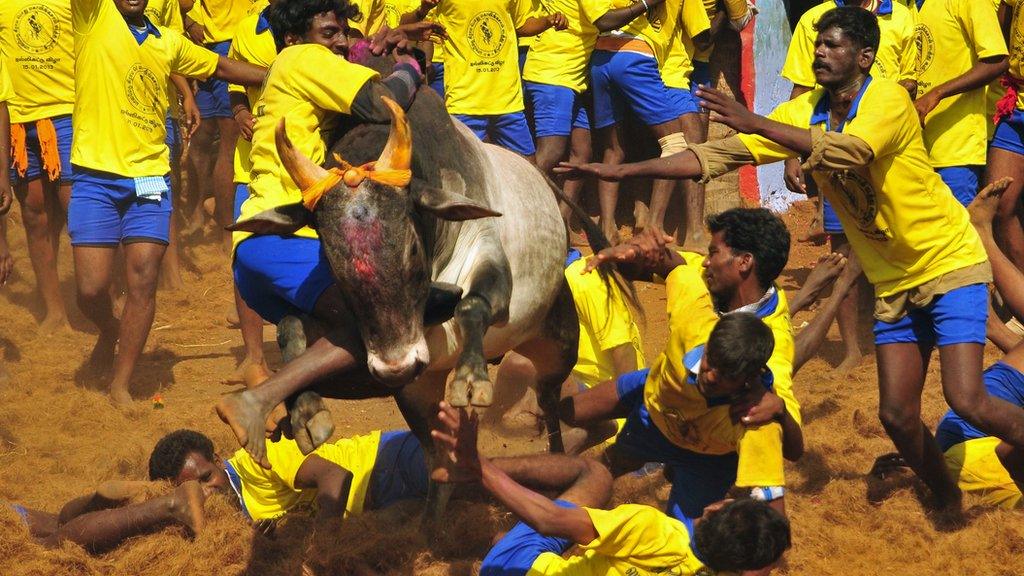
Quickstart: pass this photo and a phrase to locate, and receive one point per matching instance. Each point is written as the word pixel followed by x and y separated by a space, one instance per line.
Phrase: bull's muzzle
pixel 397 371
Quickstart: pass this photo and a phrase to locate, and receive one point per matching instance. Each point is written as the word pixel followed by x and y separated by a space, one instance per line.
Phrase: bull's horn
pixel 303 171
pixel 397 154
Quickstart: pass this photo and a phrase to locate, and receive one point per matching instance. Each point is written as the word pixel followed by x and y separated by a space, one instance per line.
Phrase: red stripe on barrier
pixel 750 192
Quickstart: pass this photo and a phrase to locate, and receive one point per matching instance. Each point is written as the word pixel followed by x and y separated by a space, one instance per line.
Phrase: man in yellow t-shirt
pixel 482 84
pixel 984 465
pixel 120 193
pixel 1006 149
pixel 960 51
pixel 344 477
pixel 37 47
pixel 914 241
pixel 629 539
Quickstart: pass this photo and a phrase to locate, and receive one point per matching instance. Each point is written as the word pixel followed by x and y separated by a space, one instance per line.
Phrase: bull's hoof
pixel 458 395
pixel 291 338
pixel 483 393
pixel 310 421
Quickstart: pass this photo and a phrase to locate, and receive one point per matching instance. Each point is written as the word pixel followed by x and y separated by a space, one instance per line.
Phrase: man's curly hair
pixel 168 457
pixel 759 232
pixel 296 16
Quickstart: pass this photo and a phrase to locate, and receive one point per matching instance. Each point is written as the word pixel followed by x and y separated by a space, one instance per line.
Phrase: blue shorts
pixel 1010 133
pixel 1002 381
pixel 173 138
pixel 517 551
pixel 438 82
pixel 556 109
pixel 241 195
pixel 212 95
pixel 279 276
pixel 524 51
pixel 400 471
pixel 701 75
pixel 830 220
pixel 506 130
pixel 686 100
pixel 62 126
pixel 106 211
pixel 697 479
pixel 962 181
pixel 957 317
pixel 621 78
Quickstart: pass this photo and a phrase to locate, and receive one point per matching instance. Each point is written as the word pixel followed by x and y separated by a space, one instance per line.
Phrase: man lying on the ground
pixel 116 511
pixel 629 539
pixel 982 464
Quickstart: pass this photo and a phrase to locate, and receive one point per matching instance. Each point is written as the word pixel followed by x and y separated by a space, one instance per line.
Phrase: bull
pixel 393 218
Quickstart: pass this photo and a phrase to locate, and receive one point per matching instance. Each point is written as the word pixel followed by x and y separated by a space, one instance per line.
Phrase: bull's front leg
pixel 486 303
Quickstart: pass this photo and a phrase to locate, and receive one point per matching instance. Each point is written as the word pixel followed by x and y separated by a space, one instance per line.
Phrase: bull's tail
pixel 598 241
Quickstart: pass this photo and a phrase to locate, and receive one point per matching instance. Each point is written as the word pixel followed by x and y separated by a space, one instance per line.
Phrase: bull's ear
pixel 449 202
pixel 280 220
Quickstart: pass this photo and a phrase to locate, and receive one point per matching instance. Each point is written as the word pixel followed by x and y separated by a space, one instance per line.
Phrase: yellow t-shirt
pixel 310 85
pixel 896 58
pixel 1017 45
pixel 121 90
pixel 562 57
pixel 38 48
pixel 166 13
pixel 678 65
pixel 902 221
pixel 678 408
pixel 632 540
pixel 270 493
pixel 658 26
pixel 394 9
pixel 605 323
pixel 952 35
pixel 481 61
pixel 978 471
pixel 253 43
pixel 370 17
pixel 220 17
pixel 6 88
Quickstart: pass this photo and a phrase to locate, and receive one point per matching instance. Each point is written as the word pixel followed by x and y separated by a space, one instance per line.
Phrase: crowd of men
pixel 915 158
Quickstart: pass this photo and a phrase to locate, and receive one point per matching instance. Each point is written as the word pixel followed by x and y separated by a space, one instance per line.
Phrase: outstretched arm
pixel 241 73
pixel 979 75
pixel 458 438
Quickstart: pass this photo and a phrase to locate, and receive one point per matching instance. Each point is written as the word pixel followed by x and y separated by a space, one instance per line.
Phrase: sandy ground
pixel 58 439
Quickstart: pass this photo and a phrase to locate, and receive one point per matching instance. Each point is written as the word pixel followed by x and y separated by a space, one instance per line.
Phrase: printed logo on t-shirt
pixel 878 70
pixel 36 29
pixel 857 196
pixel 925 47
pixel 392 15
pixel 487 34
pixel 143 89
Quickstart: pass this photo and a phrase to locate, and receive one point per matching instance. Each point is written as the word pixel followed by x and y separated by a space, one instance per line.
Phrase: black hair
pixel 169 454
pixel 744 535
pixel 296 16
pixel 759 232
pixel 739 346
pixel 856 23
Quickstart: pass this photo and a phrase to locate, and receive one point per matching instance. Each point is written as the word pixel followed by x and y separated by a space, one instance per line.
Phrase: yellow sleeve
pixel 285 460
pixel 173 17
pixel 981 24
pixel 188 59
pixel 317 80
pixel 797 68
pixel 892 115
pixel 84 14
pixel 648 538
pixel 908 54
pixel 695 18
pixel 6 87
pixel 760 457
pixel 766 151
pixel 591 10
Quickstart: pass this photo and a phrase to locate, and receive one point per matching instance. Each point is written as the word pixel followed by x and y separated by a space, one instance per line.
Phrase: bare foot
pixel 247 417
pixel 101 359
pixel 822 275
pixel 232 317
pixel 815 235
pixel 128 490
pixel 254 373
pixel 983 208
pixel 851 361
pixel 53 323
pixel 187 506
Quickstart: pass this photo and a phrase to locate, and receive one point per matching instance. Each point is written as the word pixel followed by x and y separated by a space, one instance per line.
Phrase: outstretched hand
pixel 609 172
pixel 726 110
pixel 456 436
pixel 646 252
pixel 402 38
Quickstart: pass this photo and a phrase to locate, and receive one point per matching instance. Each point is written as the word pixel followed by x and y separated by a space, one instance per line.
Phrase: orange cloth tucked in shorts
pixel 47 148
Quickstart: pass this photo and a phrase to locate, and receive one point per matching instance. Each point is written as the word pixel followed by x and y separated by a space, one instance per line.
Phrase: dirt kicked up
pixel 59 439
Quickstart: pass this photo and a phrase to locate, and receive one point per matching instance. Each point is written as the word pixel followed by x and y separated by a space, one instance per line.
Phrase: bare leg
pixel 170 272
pixel 93 271
pixel 106 529
pixel 580 151
pixel 41 232
pixel 849 311
pixel 822 275
pixel 901 372
pixel 202 160
pixel 965 392
pixel 661 190
pixel 1008 278
pixel 223 178
pixel 251 325
pixel 1008 230
pixel 608 192
pixel 142 267
pixel 810 338
pixel 693 193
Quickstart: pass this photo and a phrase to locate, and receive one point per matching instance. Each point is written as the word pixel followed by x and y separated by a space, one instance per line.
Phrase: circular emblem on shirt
pixel 143 89
pixel 857 196
pixel 392 16
pixel 36 29
pixel 486 34
pixel 925 47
